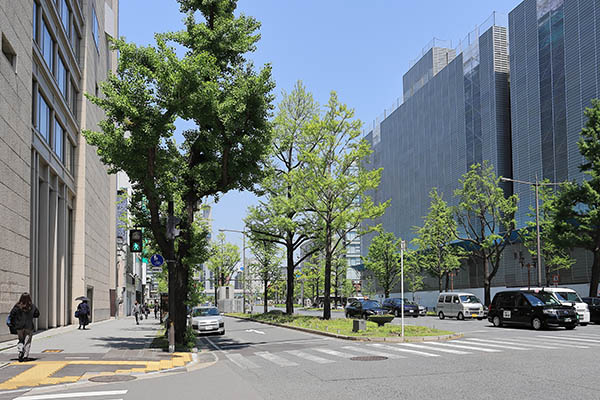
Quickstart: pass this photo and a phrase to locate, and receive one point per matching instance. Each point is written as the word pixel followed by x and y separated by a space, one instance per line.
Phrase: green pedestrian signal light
pixel 135 241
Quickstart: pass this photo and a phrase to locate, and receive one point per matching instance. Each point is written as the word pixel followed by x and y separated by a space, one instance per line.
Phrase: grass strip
pixel 343 326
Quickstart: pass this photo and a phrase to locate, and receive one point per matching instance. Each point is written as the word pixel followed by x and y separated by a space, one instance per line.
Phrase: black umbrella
pixel 82 298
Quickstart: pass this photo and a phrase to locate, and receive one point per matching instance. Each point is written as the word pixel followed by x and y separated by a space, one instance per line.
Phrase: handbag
pixel 11 327
pixel 77 314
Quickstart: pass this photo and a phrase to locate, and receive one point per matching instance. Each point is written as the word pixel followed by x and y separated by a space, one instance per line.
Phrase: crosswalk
pixel 395 351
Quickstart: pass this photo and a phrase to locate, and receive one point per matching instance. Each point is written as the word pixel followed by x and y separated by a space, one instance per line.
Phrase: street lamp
pixel 402 249
pixel 243 263
pixel 537 185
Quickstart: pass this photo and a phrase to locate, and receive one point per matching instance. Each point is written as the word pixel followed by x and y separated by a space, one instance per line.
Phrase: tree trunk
pixel 447 281
pixel 216 301
pixel 181 289
pixel 595 275
pixel 386 292
pixel 289 299
pixel 327 294
pixel 440 282
pixel 486 281
pixel 265 307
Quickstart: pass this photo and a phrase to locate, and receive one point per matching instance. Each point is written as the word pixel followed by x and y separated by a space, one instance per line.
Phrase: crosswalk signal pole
pixel 402 248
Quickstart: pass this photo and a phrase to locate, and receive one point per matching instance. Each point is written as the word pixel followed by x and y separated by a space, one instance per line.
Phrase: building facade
pixel 57 233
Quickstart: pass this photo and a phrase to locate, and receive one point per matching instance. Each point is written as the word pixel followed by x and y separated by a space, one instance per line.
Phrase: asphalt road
pixel 257 361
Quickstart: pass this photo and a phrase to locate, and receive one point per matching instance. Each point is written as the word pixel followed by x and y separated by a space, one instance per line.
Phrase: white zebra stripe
pixel 282 362
pixel 310 357
pixel 241 361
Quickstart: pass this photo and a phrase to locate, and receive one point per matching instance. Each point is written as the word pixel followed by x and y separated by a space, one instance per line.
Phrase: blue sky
pixel 358 48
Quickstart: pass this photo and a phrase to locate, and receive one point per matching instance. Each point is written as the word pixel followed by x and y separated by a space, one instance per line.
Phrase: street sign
pixel 555 278
pixel 157 260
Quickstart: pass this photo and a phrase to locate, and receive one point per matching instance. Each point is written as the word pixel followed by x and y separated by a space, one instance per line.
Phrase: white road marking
pixel 552 342
pixel 309 357
pixel 501 346
pixel 372 352
pixel 588 336
pixel 241 361
pixel 422 346
pixel 419 353
pixel 282 362
pixel 461 346
pixel 72 395
pixel 255 331
pixel 537 346
pixel 588 342
pixel 334 353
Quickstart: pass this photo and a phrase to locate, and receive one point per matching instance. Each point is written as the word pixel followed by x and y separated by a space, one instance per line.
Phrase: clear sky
pixel 358 48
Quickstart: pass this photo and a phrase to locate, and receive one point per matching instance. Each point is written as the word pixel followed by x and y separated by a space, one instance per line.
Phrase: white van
pixel 569 296
pixel 460 305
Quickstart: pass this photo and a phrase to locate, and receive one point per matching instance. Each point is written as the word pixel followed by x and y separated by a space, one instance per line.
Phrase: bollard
pixel 171 338
pixel 359 325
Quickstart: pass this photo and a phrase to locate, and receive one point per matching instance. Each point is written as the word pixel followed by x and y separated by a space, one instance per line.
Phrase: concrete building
pixel 57 205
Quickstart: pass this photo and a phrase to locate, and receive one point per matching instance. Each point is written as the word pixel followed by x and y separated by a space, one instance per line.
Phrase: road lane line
pixel 589 337
pixel 587 342
pixel 419 353
pixel 334 353
pixel 552 342
pixel 282 362
pixel 241 361
pixel 501 346
pixel 310 357
pixel 465 347
pixel 422 346
pixel 372 352
pixel 72 395
pixel 537 346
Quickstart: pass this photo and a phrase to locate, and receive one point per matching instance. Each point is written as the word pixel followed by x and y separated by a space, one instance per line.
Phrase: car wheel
pixel 479 319
pixel 441 315
pixel 415 316
pixel 460 316
pixel 570 327
pixel 583 324
pixel 222 333
pixel 398 313
pixel 536 323
pixel 497 322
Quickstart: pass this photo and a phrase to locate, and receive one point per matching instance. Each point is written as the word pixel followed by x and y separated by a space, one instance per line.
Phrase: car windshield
pixel 569 296
pixel 540 299
pixel 205 312
pixel 469 299
pixel 371 304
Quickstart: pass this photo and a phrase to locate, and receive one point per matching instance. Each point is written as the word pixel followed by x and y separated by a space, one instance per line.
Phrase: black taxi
pixel 535 308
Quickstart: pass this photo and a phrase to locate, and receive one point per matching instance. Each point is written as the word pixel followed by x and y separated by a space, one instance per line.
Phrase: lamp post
pixel 402 248
pixel 243 263
pixel 537 185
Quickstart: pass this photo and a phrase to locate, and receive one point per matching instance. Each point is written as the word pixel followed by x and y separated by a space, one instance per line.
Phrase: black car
pixel 364 309
pixel 534 308
pixel 394 306
pixel 594 306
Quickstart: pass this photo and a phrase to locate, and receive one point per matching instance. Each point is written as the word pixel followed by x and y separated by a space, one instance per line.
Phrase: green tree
pixel 267 266
pixel 335 181
pixel 554 256
pixel 211 85
pixel 223 261
pixel 313 275
pixel 577 219
pixel 434 238
pixel 383 260
pixel 279 218
pixel 413 272
pixel 487 217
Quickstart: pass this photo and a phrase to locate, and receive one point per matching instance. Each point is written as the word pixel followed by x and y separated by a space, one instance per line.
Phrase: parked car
pixel 460 305
pixel 364 309
pixel 394 306
pixel 594 306
pixel 570 297
pixel 535 308
pixel 207 319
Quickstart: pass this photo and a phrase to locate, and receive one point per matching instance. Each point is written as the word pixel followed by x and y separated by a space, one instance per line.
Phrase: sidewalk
pixel 67 354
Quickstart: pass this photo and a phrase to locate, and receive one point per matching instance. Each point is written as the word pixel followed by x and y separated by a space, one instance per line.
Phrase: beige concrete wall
pixel 15 154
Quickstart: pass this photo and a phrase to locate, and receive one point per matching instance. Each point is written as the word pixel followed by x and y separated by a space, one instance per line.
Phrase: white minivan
pixel 460 305
pixel 569 296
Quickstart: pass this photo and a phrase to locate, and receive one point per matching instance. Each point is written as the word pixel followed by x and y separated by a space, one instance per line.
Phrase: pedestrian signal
pixel 135 241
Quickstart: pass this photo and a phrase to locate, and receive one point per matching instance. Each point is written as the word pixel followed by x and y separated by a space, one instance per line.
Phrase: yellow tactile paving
pixel 41 372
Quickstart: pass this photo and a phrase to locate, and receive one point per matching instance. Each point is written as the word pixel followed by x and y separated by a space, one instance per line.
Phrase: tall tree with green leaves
pixel 335 182
pixel 577 218
pixel 211 85
pixel 223 262
pixel 383 260
pixel 486 217
pixel 434 240
pixel 267 266
pixel 279 218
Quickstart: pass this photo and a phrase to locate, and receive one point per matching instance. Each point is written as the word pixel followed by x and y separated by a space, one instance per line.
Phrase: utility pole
pixel 402 248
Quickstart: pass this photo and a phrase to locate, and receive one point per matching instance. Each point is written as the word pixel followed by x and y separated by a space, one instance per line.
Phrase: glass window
pixel 47 45
pixel 569 296
pixel 35 20
pixel 469 299
pixel 455 299
pixel 61 76
pixel 73 100
pixel 43 122
pixel 75 41
pixel 448 299
pixel 204 312
pixel 441 299
pixel 69 155
pixel 64 15
pixel 59 133
pixel 540 299
pixel 95 28
pixel 371 304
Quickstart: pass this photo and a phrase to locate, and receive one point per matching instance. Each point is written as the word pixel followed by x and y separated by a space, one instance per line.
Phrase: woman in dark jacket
pixel 21 317
pixel 83 313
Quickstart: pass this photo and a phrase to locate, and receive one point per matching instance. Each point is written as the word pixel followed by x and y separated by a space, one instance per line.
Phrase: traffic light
pixel 135 241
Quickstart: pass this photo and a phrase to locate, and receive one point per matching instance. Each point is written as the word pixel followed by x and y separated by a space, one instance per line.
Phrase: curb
pixel 406 339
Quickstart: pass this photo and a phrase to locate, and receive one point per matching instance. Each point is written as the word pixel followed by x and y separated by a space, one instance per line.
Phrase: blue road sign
pixel 157 260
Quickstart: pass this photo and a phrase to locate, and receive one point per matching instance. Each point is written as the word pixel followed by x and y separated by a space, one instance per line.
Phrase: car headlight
pixel 551 311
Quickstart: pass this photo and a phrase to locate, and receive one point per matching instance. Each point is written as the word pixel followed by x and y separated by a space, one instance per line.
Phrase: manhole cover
pixel 112 378
pixel 368 358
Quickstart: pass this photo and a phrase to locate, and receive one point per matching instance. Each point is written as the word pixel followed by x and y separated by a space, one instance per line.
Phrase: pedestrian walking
pixel 136 311
pixel 155 311
pixel 21 318
pixel 146 310
pixel 83 314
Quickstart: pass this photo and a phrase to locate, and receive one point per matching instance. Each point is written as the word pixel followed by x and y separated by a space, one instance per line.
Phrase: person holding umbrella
pixel 21 317
pixel 83 312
